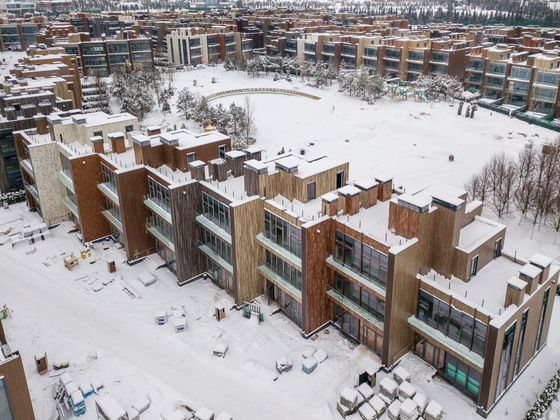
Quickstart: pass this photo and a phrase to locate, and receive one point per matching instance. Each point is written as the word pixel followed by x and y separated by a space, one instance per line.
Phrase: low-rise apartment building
pixel 15 401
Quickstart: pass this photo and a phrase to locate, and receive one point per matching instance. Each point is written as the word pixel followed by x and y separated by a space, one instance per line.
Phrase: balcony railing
pixel 160 236
pixel 353 307
pixel 109 191
pixel 160 211
pixel 364 281
pixel 206 250
pixel 448 343
pixel 66 180
pixel 112 219
pixel 32 189
pixel 27 166
pixel 213 228
pixel 70 205
pixel 280 282
pixel 282 252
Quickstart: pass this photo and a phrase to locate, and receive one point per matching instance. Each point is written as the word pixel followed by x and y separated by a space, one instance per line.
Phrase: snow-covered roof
pixel 517 283
pixel 530 270
pixel 477 232
pixel 188 139
pixel 349 190
pixel 485 291
pixel 234 154
pixel 540 260
pixel 365 184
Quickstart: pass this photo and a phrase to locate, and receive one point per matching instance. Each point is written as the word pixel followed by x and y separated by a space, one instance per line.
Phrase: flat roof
pixel 477 232
pixel 188 139
pixel 486 290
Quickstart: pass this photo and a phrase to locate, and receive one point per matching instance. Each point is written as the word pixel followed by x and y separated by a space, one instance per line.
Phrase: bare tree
pixel 526 179
pixel 248 128
pixel 503 174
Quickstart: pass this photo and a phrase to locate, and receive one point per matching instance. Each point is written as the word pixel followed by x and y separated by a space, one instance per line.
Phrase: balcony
pixel 280 282
pixel 364 281
pixel 66 180
pixel 113 219
pixel 353 307
pixel 160 211
pixel 32 190
pixel 392 59
pixel 160 236
pixel 453 346
pixel 213 228
pixel 282 252
pixel 70 205
pixel 27 167
pixel 206 250
pixel 109 192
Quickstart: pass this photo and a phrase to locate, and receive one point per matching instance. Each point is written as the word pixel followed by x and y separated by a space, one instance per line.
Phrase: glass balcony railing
pixel 160 236
pixel 109 190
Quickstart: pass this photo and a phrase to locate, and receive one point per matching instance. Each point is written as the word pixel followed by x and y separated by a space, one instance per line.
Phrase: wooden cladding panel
pixel 186 203
pixel 360 236
pixel 18 392
pixel 282 214
pixel 318 242
pixel 132 187
pixel 86 174
pixel 400 303
pixel 247 221
pixel 205 153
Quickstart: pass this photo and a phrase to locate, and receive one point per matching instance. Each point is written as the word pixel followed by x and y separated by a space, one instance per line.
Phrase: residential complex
pixel 420 271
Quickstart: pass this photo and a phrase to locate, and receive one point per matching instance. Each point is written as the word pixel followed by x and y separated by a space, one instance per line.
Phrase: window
pixel 311 191
pixel 505 359
pixel 361 258
pixel 159 194
pixel 191 157
pixel 457 325
pixel 222 151
pixel 474 266
pixel 340 179
pixel 520 343
pixel 368 301
pixel 109 178
pixel 98 133
pixel 283 269
pixel 220 247
pixel 216 211
pixel 462 376
pixel 282 233
pixel 541 320
pixel 5 409
pixel 128 128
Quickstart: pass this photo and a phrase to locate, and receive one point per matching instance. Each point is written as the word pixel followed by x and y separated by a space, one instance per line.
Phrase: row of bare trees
pixel 528 184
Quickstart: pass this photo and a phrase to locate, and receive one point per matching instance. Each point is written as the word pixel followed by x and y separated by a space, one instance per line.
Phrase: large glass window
pixel 522 73
pixel 462 376
pixel 216 211
pixel 368 301
pixel 5 409
pixel 283 269
pixel 361 258
pixel 282 233
pixel 505 359
pixel 109 178
pixel 159 194
pixel 541 320
pixel 520 341
pixel 220 247
pixel 457 325
pixel 162 227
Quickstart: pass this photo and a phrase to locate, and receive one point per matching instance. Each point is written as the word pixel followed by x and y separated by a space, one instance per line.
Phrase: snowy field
pixel 409 140
pixel 110 337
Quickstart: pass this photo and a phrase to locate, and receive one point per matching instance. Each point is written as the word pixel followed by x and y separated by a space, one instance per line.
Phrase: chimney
pixel 142 147
pixel 351 199
pixel 97 142
pixel 385 188
pixel 530 274
pixel 41 123
pixel 254 177
pixel 117 142
pixel 368 193
pixel 515 291
pixel 169 143
pixel 543 263
pixel 235 160
pixel 329 204
pixel 153 130
pixel 197 168
pixel 218 170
